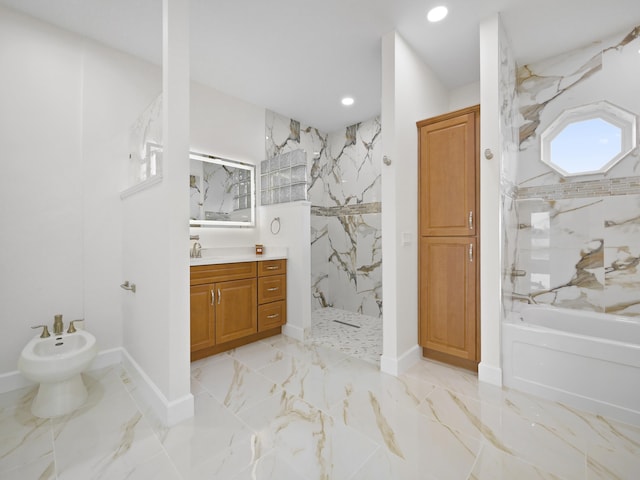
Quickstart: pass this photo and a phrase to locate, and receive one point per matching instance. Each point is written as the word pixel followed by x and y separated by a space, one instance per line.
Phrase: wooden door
pixel 448 176
pixel 448 295
pixel 202 317
pixel 236 309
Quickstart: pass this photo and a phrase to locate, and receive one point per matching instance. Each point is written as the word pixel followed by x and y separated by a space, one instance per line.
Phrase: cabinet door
pixel 202 317
pixel 448 155
pixel 236 309
pixel 448 295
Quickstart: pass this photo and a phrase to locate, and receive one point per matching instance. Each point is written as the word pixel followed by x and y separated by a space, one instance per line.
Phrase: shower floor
pixel 351 333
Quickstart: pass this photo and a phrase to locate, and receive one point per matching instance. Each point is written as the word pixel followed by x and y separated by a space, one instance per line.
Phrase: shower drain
pixel 348 324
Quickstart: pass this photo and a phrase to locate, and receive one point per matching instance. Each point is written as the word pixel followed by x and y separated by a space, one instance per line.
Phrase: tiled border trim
pixel 343 210
pixel 594 188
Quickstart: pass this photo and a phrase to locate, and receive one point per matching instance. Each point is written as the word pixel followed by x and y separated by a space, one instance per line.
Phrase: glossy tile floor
pixel 278 409
pixel 354 334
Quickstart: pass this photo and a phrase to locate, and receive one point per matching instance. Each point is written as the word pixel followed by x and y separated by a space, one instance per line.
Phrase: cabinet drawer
pixel 272 315
pixel 201 274
pixel 272 289
pixel 272 267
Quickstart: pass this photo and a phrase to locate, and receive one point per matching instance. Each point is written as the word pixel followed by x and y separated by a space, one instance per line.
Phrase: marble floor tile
pixel 201 439
pixel 103 440
pixel 234 384
pixel 271 466
pixel 495 464
pixel 312 441
pixel 283 409
pixel 42 469
pixel 612 464
pixel 23 437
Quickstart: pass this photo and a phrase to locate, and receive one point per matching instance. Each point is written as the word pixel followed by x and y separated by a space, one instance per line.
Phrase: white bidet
pixel 56 363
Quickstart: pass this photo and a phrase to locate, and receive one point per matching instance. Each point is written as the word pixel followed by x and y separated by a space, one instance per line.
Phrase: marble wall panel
pixel 604 70
pixel 351 261
pixel 577 238
pixel 580 253
pixel 622 255
pixel 343 175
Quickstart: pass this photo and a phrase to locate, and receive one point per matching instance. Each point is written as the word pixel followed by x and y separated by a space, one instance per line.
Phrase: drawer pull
pixel 273 267
pixel 275 315
pixel 273 289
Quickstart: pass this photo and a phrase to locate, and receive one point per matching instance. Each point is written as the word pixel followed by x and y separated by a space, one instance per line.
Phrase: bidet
pixel 56 362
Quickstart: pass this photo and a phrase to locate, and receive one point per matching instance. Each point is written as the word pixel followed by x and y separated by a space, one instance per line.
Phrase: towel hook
pixel 275 230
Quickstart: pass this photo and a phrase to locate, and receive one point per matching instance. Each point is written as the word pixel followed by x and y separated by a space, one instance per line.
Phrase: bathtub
pixel 584 359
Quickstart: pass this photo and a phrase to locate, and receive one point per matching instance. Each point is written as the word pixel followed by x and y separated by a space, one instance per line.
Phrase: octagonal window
pixel 589 139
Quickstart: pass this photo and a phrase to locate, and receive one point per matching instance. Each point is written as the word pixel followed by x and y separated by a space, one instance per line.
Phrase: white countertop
pixel 212 256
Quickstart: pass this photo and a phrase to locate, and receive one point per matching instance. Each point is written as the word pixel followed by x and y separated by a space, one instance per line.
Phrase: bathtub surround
pixel 577 238
pixel 343 184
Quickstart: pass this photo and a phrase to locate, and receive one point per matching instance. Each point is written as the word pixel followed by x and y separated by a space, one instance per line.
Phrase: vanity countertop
pixel 212 256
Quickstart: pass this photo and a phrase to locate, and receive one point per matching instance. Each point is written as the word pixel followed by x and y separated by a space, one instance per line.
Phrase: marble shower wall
pixel 579 238
pixel 343 178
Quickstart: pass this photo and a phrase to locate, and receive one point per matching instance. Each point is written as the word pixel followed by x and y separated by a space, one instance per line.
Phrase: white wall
pixel 464 96
pixel 295 234
pixel 410 92
pixel 60 246
pixel 490 240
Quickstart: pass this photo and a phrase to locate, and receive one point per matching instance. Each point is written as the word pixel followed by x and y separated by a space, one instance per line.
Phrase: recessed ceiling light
pixel 437 13
pixel 346 101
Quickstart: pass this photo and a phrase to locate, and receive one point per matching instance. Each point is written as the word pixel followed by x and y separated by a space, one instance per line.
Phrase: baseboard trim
pixel 169 412
pixel 399 365
pixel 490 374
pixel 294 332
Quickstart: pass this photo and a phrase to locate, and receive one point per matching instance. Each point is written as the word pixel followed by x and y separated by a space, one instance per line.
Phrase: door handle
pixel 470 219
pixel 213 297
pixel 471 252
pixel 219 296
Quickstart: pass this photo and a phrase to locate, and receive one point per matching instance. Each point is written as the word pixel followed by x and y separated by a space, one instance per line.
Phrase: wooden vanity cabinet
pixel 228 309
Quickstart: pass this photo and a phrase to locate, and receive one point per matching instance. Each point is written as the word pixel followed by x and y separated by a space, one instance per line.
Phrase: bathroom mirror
pixel 589 139
pixel 222 192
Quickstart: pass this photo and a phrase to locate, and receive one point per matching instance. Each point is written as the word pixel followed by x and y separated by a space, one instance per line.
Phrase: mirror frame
pixel 234 164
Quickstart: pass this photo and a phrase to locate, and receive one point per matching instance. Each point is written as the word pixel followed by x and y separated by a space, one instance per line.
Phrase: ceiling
pixel 300 57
